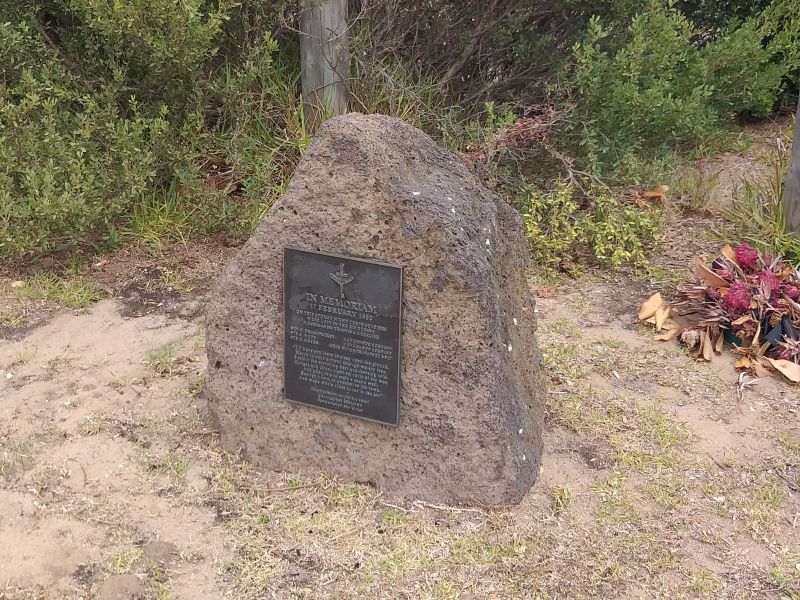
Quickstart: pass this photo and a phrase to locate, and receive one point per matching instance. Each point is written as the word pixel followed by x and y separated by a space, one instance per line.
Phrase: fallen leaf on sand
pixel 743 363
pixel 662 314
pixel 790 369
pixel 17 284
pixel 720 343
pixel 760 370
pixel 650 306
pixel 707 346
pixel 711 278
pixel 668 334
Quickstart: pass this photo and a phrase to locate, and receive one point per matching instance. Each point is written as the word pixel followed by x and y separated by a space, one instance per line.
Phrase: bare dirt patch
pixel 172 279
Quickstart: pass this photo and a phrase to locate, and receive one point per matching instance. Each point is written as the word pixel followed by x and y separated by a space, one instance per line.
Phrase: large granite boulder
pixel 472 385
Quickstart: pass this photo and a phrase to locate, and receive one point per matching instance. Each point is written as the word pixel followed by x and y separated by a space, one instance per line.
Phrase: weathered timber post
pixel 324 58
pixel 791 191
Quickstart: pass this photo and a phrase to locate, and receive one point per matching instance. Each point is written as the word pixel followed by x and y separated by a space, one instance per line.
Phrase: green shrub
pixel 116 117
pixel 743 74
pixel 70 165
pixel 650 92
pixel 564 229
pixel 779 23
pixel 157 50
pixel 161 120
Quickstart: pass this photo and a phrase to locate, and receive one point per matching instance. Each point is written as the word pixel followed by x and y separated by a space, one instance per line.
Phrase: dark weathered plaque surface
pixel 342 334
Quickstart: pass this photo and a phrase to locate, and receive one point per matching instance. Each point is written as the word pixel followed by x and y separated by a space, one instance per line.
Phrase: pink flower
pixel 746 256
pixel 769 280
pixel 739 297
pixel 792 292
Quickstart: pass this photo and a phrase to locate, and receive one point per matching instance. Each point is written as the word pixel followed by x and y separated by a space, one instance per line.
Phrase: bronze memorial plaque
pixel 342 334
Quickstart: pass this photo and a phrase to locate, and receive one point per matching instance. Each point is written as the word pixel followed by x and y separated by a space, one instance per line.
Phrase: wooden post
pixel 791 191
pixel 324 59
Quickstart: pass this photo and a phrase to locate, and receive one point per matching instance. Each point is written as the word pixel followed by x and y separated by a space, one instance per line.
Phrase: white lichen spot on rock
pixel 515 321
pixel 416 193
pixel 487 241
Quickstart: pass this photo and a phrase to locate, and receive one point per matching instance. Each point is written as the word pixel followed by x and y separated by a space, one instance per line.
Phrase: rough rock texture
pixel 472 384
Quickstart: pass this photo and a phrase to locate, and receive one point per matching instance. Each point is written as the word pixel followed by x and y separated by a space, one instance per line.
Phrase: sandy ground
pixel 658 480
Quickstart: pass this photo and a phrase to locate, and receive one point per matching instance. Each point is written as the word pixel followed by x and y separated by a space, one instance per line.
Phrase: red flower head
pixel 769 280
pixel 792 292
pixel 747 257
pixel 738 297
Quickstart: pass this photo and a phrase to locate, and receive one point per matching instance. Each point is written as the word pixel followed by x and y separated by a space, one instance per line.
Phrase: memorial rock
pixel 470 376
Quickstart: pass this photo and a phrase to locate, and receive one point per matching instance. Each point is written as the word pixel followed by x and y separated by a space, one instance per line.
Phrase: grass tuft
pixel 757 212
pixel 123 560
pixel 563 495
pixel 73 292
pixel 162 359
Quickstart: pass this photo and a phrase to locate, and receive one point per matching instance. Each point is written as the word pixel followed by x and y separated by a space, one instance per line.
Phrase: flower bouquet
pixel 746 299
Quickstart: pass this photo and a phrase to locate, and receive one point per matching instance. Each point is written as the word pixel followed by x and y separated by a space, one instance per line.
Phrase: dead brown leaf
pixel 657 192
pixel 789 369
pixel 662 314
pixel 760 370
pixel 729 253
pixel 667 335
pixel 743 363
pixel 650 306
pixel 708 347
pixel 720 343
pixel 754 343
pixel 701 343
pixel 711 278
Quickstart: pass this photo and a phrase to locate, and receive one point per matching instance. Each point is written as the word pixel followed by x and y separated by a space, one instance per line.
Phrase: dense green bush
pixel 564 228
pixel 163 120
pixel 780 24
pixel 650 92
pixel 123 118
pixel 153 49
pixel 70 165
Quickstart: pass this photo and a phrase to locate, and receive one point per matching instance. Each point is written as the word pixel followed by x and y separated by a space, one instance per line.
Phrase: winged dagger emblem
pixel 341 278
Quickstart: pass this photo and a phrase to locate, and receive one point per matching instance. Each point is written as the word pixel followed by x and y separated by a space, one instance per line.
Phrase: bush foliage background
pixel 163 120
